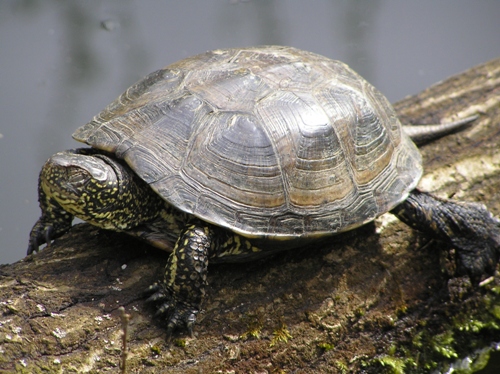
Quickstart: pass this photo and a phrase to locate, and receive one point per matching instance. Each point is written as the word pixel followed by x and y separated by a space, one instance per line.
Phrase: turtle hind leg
pixel 469 227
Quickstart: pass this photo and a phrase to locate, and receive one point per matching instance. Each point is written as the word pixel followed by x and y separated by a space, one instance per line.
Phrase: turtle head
pixel 74 183
pixel 81 184
pixel 98 189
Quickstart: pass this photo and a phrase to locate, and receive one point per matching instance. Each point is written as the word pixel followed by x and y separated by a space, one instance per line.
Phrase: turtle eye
pixel 77 178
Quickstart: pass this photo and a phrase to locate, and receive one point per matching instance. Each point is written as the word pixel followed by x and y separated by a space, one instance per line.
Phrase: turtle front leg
pixel 53 222
pixel 183 288
pixel 469 227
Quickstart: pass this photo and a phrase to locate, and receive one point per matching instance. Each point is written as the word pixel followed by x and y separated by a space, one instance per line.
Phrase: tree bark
pixel 382 297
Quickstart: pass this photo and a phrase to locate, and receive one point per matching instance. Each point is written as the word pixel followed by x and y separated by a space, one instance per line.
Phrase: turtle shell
pixel 269 142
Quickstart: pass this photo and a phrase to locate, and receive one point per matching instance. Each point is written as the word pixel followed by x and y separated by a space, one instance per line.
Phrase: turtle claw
pixel 156 297
pixel 155 287
pixel 478 248
pixel 48 227
pixel 163 309
pixel 179 313
pixel 49 234
pixel 40 234
pixel 158 294
pixel 186 317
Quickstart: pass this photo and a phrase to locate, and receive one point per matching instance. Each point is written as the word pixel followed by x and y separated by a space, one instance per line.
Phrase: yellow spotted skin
pixel 185 281
pixel 235 245
pixel 103 191
pixel 271 145
pixel 118 200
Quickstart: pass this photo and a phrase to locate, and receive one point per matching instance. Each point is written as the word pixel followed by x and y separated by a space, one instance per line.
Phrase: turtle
pixel 237 153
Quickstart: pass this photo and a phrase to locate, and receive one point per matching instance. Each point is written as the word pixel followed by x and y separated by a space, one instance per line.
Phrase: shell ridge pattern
pixel 149 89
pixel 295 106
pixel 272 111
pixel 223 162
pixel 344 176
pixel 391 181
pixel 373 155
pixel 153 149
pixel 320 148
pixel 333 101
pixel 266 141
pixel 175 134
pixel 250 194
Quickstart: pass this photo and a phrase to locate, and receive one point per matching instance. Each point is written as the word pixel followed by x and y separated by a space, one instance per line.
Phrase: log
pixel 380 298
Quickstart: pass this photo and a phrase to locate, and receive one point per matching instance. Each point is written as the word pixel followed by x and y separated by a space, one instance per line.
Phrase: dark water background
pixel 61 62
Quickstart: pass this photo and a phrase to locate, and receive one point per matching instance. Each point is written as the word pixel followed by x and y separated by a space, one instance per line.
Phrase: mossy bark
pixel 382 297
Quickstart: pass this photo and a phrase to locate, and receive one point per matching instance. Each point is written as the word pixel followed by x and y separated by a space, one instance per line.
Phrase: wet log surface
pixel 382 297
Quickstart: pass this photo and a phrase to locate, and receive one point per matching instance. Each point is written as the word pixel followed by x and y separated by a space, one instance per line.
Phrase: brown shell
pixel 269 141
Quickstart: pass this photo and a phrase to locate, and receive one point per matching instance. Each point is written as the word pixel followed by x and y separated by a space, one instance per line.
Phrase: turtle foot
pixel 40 234
pixel 44 233
pixel 178 313
pixel 477 241
pixel 469 227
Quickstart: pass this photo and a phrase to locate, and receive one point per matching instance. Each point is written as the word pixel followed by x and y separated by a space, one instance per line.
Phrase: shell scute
pixel 267 141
